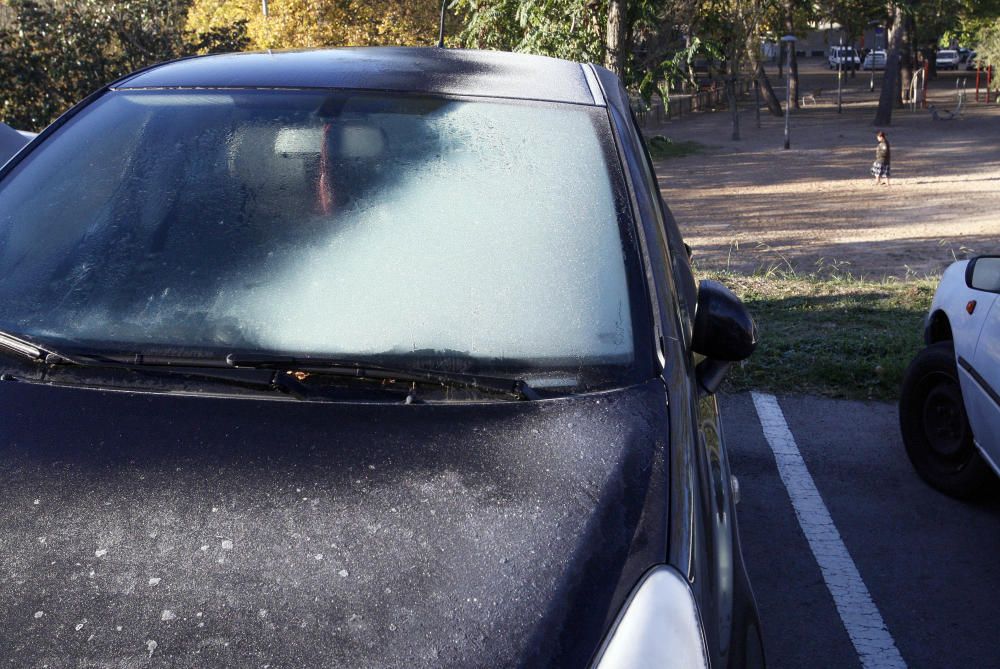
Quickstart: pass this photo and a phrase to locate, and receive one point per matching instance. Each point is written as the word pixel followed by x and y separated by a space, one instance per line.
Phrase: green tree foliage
pixel 658 34
pixel 53 54
pixel 923 25
pixel 221 39
pixel 571 29
pixel 852 15
pixel 987 42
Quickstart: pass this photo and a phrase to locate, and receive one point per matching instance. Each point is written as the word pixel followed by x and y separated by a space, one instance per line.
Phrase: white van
pixel 843 56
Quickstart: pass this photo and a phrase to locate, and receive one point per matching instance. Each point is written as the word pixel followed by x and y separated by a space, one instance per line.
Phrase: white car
pixel 947 59
pixel 843 56
pixel 875 60
pixel 949 408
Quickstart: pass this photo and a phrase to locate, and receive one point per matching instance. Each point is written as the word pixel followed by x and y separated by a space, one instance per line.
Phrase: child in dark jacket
pixel 883 158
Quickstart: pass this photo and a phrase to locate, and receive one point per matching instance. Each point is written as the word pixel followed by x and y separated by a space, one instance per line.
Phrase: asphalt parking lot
pixel 927 563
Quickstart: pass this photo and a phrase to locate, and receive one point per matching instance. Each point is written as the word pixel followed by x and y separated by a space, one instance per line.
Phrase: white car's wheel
pixel 935 428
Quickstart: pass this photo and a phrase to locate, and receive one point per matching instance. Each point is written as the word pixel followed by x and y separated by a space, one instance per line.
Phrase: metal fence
pixel 707 98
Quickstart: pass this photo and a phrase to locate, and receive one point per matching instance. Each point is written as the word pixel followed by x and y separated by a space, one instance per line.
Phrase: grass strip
pixel 830 335
pixel 661 147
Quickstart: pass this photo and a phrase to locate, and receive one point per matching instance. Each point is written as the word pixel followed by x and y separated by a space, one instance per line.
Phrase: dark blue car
pixel 362 358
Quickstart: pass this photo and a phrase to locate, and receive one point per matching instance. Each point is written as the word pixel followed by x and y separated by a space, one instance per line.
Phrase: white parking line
pixel 862 619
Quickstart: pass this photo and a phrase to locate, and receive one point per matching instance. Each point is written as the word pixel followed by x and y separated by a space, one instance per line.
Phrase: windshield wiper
pixel 295 370
pixel 202 368
pixel 516 388
pixel 34 351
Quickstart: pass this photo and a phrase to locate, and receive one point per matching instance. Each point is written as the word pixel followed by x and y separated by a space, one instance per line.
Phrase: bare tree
pixel 617 31
pixel 741 45
pixel 907 59
pixel 764 84
pixel 793 75
pixel 890 82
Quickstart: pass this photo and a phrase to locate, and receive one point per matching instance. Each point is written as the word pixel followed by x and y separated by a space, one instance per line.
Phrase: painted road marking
pixel 864 623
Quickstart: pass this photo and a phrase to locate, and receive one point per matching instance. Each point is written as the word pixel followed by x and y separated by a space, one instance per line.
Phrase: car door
pixel 690 543
pixel 981 383
pixel 713 541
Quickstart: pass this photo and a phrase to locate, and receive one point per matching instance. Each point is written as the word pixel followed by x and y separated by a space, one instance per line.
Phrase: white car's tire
pixel 936 431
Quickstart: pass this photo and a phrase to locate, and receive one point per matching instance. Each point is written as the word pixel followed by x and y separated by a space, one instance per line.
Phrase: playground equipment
pixel 960 95
pixel 988 71
pixel 812 96
pixel 918 84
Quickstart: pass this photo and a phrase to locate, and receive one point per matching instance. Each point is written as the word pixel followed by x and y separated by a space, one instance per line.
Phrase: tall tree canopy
pixel 317 23
pixel 922 25
pixel 987 41
pixel 53 54
pixel 572 29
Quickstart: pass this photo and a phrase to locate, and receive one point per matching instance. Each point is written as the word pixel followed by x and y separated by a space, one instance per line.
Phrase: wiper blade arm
pixel 209 369
pixel 516 388
pixel 34 351
pixel 212 368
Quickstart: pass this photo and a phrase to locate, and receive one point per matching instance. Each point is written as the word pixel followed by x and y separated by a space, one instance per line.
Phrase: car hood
pixel 251 532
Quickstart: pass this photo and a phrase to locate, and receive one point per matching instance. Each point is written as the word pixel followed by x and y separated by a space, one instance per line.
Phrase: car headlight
pixel 659 627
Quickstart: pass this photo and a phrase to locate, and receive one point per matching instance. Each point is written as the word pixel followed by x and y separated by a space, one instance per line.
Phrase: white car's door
pixel 982 395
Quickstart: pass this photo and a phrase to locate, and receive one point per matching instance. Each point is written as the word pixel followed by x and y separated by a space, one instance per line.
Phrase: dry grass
pixel 831 335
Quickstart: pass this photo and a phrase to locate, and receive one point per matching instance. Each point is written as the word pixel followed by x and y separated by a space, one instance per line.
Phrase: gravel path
pixel 751 206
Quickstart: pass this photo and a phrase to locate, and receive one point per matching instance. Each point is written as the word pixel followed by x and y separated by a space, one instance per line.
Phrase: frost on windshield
pixel 503 244
pixel 287 222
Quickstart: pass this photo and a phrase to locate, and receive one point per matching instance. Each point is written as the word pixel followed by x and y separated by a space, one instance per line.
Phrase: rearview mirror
pixel 724 332
pixel 723 328
pixel 983 273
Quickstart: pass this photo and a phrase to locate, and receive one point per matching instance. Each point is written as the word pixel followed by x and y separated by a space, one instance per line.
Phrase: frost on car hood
pixel 244 532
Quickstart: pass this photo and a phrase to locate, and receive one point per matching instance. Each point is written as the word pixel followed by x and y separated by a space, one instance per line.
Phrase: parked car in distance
pixel 970 62
pixel 874 60
pixel 963 54
pixel 949 408
pixel 843 56
pixel 416 322
pixel 947 59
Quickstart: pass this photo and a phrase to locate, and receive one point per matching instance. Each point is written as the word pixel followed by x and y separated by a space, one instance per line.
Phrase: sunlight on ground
pixel 748 206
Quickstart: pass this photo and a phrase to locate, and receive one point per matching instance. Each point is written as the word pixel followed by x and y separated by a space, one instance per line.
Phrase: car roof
pixel 407 69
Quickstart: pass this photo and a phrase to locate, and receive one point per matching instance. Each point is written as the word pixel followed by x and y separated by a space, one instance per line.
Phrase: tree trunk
pixel 764 84
pixel 614 59
pixel 930 55
pixel 793 74
pixel 850 43
pixel 734 110
pixel 906 58
pixel 890 81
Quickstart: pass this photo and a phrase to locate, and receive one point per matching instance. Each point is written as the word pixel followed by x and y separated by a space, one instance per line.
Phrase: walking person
pixel 883 157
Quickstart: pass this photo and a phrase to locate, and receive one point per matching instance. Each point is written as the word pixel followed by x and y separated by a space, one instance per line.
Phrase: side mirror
pixel 983 273
pixel 724 332
pixel 723 328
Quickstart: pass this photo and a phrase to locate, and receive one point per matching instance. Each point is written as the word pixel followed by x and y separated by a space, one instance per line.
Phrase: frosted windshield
pixel 323 224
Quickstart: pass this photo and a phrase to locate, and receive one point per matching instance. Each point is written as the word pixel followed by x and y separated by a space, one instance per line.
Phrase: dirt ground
pixel 749 205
